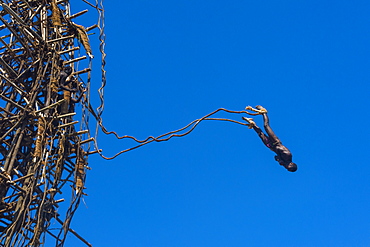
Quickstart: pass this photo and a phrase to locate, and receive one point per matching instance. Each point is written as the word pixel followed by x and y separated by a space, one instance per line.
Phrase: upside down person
pixel 283 155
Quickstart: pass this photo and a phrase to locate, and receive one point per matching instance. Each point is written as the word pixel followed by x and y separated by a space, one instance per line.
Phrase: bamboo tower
pixel 43 149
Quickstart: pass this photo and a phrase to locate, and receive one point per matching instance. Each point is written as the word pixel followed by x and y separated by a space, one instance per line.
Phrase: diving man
pixel 283 155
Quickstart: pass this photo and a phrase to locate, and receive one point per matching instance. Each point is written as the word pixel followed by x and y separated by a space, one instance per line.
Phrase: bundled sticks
pixel 42 153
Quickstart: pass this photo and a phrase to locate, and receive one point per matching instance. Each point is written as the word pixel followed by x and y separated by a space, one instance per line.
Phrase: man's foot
pixel 250 121
pixel 261 109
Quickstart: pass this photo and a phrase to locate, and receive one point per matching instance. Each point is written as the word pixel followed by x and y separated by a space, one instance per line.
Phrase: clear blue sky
pixel 170 62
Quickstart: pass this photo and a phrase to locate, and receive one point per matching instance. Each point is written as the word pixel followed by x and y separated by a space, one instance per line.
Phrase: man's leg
pixel 269 131
pixel 258 130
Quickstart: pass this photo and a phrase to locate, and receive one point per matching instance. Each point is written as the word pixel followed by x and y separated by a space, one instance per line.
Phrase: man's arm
pixel 82 94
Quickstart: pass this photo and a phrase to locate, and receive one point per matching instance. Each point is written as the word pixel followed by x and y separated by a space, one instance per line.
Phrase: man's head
pixel 292 167
pixel 68 70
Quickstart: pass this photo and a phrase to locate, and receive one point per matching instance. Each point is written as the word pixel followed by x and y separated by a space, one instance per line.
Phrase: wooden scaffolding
pixel 42 148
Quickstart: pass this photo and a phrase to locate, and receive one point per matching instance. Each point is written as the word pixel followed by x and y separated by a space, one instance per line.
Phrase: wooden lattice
pixel 42 148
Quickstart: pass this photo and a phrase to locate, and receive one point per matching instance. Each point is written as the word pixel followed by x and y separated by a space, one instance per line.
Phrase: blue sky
pixel 170 62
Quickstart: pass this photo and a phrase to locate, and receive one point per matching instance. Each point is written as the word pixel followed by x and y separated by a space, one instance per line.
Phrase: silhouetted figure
pixel 67 71
pixel 283 155
pixel 69 86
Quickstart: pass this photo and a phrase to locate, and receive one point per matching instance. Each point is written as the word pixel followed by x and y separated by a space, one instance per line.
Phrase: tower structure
pixel 43 149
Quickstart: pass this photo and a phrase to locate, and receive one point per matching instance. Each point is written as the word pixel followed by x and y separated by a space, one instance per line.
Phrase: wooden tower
pixel 43 149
